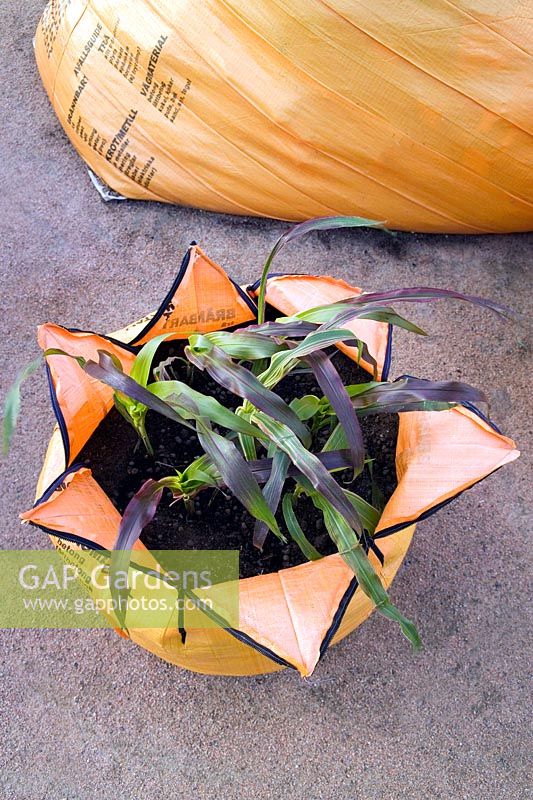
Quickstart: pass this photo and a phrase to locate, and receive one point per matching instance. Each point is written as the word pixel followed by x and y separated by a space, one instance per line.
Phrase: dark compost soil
pixel 120 464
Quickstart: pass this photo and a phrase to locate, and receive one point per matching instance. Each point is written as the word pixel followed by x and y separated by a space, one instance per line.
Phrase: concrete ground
pixel 85 714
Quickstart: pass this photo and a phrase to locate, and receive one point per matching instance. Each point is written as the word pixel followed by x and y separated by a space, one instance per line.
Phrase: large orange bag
pixel 288 618
pixel 416 114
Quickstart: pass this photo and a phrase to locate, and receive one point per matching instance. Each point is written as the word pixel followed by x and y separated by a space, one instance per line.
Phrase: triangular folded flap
pixel 291 294
pixel 203 298
pixel 81 402
pixel 80 507
pixel 290 612
pixel 439 454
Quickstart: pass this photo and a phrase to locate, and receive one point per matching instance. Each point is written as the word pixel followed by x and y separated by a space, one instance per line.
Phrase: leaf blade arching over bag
pixel 12 404
pixel 413 394
pixel 292 294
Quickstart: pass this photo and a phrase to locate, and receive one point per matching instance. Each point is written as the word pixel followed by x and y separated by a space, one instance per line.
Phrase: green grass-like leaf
pixel 178 395
pixel 310 466
pixel 12 404
pixel 295 529
pixel 142 366
pixel 354 555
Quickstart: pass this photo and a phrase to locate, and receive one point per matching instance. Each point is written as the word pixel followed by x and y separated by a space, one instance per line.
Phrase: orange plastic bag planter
pixel 288 618
pixel 416 114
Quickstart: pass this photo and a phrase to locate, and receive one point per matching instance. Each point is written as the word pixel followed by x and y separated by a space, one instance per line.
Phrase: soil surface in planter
pixel 120 464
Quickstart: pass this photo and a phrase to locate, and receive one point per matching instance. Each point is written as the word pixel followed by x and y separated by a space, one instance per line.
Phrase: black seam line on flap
pixel 265 651
pixel 481 415
pixel 388 356
pixel 339 614
pixel 168 297
pixel 58 415
pixel 69 537
pixel 174 288
pixel 430 511
pixel 57 483
pixel 246 297
pixel 367 543
pixel 60 419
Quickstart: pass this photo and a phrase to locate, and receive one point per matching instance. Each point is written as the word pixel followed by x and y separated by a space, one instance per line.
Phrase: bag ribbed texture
pixel 417 114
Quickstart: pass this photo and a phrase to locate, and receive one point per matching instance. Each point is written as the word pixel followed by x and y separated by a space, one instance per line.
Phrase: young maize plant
pixel 254 450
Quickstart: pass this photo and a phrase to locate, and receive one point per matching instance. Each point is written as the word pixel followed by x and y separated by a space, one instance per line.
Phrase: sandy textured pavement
pixel 86 715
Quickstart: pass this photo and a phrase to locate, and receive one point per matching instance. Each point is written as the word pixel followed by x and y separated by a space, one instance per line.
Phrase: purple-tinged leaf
pixel 242 382
pixel 237 475
pixel 272 494
pixel 142 366
pixel 331 384
pixel 296 232
pixel 139 512
pixel 415 394
pixel 310 466
pixel 323 224
pixel 332 461
pixel 425 294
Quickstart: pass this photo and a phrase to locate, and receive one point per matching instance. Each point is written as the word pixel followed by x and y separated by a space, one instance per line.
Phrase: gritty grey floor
pixel 86 715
